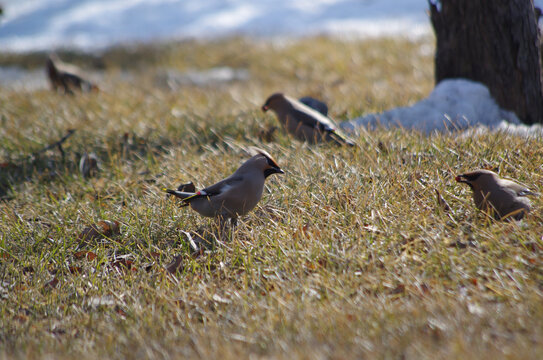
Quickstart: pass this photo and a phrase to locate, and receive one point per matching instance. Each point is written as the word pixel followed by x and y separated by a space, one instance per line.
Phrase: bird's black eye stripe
pixel 472 177
pixel 271 163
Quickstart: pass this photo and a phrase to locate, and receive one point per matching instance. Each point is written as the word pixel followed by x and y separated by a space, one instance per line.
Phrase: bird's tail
pixel 181 195
pixel 341 139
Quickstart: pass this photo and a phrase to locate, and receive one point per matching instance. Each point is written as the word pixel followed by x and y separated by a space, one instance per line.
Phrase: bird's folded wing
pixel 314 119
pixel 221 187
pixel 520 190
pixel 527 192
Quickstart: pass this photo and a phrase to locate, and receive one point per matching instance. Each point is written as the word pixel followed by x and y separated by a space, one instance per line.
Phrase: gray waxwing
pixel 66 78
pixel 303 122
pixel 237 194
pixel 500 197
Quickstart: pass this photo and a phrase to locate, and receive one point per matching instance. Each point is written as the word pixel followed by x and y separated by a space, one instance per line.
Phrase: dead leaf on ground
pixel 424 288
pixel 306 231
pixel 21 318
pixel 441 202
pixel 123 262
pixel 6 257
pixel 120 311
pixel 75 269
pixel 399 289
pixel 85 254
pixel 315 264
pixel 104 228
pixel 51 284
pixel 176 265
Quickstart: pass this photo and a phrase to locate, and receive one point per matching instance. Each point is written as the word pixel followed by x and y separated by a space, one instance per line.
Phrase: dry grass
pixel 347 255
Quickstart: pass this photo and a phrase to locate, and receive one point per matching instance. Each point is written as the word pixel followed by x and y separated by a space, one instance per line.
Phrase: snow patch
pixel 454 104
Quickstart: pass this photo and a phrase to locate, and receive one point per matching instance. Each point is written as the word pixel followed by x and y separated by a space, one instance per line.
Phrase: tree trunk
pixel 495 42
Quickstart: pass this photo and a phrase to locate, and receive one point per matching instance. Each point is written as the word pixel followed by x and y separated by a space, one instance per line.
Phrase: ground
pixel 348 255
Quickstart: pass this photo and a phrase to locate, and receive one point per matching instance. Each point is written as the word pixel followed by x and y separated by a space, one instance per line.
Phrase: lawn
pixel 347 256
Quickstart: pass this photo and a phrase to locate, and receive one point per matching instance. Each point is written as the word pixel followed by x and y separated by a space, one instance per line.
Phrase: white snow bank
pixel 454 104
pixel 523 130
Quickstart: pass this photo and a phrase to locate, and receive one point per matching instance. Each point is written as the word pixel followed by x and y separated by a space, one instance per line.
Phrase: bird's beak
pixel 273 170
pixel 265 108
pixel 461 179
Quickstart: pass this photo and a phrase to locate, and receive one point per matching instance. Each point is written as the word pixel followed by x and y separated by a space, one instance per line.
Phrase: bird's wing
pixel 219 188
pixel 520 190
pixel 316 120
pixel 312 118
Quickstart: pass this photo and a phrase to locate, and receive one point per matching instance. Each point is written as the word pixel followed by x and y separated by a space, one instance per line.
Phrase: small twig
pixel 60 149
pixel 191 242
pixel 56 144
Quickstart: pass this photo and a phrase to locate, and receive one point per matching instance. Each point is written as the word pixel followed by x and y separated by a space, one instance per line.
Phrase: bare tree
pixel 495 42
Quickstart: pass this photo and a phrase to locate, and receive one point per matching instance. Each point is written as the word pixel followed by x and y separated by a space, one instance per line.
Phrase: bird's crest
pixel 253 150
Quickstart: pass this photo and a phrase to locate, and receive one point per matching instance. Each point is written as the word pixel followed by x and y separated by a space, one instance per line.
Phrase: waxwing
pixel 237 194
pixel 500 197
pixel 304 122
pixel 66 78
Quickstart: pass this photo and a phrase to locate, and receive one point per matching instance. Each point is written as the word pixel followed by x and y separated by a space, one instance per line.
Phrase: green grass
pixel 346 256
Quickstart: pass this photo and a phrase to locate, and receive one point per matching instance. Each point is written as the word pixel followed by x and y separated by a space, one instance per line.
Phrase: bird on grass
pixel 304 122
pixel 237 194
pixel 500 197
pixel 66 78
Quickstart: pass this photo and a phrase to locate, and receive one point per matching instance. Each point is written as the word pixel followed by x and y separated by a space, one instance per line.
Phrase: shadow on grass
pixel 62 158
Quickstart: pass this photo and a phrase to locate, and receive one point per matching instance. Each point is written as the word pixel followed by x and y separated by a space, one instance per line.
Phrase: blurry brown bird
pixel 88 165
pixel 237 194
pixel 500 197
pixel 66 78
pixel 303 122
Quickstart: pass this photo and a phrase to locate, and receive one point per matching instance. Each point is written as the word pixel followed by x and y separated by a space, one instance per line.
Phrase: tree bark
pixel 495 42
